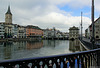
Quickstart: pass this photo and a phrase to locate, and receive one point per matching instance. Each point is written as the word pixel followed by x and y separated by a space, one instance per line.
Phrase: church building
pixel 8 24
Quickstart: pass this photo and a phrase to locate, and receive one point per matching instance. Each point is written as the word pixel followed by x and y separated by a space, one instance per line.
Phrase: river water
pixel 29 49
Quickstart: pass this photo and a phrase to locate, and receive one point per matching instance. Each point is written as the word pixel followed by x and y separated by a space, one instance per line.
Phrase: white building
pixel 1 30
pixel 66 35
pixel 15 30
pixel 49 33
pixel 21 32
pixel 73 32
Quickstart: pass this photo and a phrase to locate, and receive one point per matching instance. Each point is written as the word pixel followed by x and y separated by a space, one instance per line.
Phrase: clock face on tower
pixel 8 18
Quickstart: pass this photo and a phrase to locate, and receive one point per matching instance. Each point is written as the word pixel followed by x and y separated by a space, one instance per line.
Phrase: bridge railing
pixel 85 59
pixel 88 44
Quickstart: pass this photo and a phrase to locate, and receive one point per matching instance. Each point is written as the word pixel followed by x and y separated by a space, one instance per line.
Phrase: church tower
pixel 8 16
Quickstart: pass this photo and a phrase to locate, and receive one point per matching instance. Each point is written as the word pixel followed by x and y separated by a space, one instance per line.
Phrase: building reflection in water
pixel 34 45
pixel 51 43
pixel 74 45
pixel 5 50
pixel 9 49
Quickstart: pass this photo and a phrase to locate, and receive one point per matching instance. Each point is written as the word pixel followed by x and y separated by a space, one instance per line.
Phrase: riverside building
pixel 8 24
pixel 1 30
pixel 15 31
pixel 73 32
pixel 33 32
pixel 88 31
pixel 21 32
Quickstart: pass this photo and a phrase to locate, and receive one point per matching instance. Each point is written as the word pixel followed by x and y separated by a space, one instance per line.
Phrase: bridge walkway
pixel 86 42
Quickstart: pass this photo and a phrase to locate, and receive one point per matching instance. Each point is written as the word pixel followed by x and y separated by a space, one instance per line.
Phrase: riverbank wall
pixel 55 39
pixel 30 39
pixel 20 39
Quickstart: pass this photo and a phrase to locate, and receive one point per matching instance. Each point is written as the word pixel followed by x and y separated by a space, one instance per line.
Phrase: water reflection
pixel 34 45
pixel 74 45
pixel 9 49
pixel 51 43
pixel 18 46
pixel 29 49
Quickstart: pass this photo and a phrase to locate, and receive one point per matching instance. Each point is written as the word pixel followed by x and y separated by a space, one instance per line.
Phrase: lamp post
pixel 93 34
pixel 54 32
pixel 81 25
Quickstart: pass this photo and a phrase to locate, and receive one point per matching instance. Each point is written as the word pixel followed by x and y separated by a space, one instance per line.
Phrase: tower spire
pixel 8 11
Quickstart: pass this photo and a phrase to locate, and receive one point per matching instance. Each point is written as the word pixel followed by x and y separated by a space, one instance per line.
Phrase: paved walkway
pixel 89 44
pixel 86 39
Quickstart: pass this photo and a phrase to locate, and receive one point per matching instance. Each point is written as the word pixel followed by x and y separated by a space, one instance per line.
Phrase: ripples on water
pixel 29 49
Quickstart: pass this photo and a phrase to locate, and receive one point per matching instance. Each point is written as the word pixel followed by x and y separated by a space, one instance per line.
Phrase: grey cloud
pixel 42 13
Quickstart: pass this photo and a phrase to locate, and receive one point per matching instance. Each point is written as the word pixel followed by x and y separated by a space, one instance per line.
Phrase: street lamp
pixel 81 25
pixel 93 35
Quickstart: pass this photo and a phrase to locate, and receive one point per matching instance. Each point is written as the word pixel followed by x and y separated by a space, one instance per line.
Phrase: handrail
pixel 82 52
pixel 89 55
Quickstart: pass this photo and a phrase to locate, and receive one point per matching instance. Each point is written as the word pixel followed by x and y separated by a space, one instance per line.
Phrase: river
pixel 29 49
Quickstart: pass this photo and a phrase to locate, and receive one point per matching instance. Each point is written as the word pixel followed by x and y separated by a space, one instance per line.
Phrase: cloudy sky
pixel 60 14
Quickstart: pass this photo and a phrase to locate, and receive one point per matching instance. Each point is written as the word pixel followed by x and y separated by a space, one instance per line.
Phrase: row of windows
pixel 74 35
pixel 1 34
pixel 1 28
pixel 74 30
pixel 2 31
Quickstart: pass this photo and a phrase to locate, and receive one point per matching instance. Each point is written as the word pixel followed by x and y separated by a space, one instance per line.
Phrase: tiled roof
pixel 74 28
pixel 34 27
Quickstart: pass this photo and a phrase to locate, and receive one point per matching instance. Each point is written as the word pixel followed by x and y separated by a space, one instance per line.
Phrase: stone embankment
pixel 20 39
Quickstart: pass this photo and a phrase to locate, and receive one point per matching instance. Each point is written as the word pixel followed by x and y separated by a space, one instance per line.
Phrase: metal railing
pixel 85 59
pixel 89 45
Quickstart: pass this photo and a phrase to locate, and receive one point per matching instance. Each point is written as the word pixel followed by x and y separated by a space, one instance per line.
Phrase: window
pixel 97 36
pixel 96 32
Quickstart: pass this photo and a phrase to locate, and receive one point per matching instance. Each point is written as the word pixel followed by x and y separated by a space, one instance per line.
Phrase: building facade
pixel 1 30
pixel 86 32
pixel 54 34
pixel 21 32
pixel 8 24
pixel 97 30
pixel 49 33
pixel 15 30
pixel 33 31
pixel 73 32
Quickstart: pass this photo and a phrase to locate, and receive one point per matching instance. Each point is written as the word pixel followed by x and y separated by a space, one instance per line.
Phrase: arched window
pixel 97 36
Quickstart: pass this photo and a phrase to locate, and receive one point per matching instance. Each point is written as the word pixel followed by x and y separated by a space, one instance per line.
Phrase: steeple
pixel 8 16
pixel 9 12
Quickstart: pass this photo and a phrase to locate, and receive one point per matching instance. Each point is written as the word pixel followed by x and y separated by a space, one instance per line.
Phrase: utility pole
pixel 54 32
pixel 81 25
pixel 93 31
